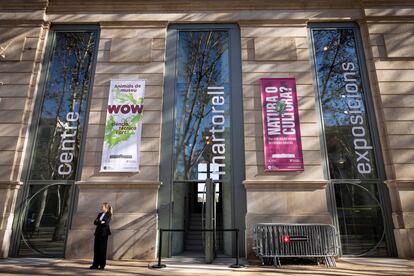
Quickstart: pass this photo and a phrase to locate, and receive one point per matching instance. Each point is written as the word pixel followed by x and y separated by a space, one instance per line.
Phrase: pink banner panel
pixel 281 129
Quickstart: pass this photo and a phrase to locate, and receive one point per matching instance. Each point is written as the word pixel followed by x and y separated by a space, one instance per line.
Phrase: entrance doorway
pixel 190 213
pixel 202 150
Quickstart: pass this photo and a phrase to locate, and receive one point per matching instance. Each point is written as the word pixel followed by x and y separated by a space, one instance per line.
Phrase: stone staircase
pixel 194 240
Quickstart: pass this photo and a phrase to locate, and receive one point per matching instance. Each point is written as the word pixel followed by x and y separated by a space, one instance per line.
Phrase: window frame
pixel 383 194
pixel 166 171
pixel 33 132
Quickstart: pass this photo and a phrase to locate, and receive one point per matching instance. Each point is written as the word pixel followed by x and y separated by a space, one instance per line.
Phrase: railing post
pixel 237 264
pixel 159 265
pixel 209 242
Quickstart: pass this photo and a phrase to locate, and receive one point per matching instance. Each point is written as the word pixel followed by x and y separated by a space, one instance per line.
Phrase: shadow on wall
pixel 135 239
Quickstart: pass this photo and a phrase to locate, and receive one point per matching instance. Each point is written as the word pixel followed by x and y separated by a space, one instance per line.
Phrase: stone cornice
pixel 262 18
pixel 142 6
pixel 10 184
pixel 23 5
pixel 400 184
pixel 304 185
pixel 120 184
pixel 211 5
pixel 130 24
pixel 245 12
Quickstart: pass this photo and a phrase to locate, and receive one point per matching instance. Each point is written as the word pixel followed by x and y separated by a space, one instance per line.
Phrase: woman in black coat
pixel 101 236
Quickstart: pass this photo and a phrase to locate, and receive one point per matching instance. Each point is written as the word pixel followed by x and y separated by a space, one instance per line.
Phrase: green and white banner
pixel 123 126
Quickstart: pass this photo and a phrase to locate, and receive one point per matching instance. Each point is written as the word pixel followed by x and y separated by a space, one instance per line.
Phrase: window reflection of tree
pixel 333 48
pixel 82 49
pixel 66 91
pixel 200 58
pixel 355 205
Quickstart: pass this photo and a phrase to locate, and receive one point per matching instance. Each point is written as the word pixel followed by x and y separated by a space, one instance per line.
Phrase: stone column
pixel 390 36
pixel 22 34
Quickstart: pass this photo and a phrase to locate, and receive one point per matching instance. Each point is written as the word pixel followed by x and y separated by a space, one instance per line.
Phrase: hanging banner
pixel 123 126
pixel 281 129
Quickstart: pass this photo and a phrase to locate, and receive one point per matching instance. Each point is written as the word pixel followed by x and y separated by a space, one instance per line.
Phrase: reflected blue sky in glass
pixel 66 88
pixel 202 62
pixel 334 47
pixel 68 75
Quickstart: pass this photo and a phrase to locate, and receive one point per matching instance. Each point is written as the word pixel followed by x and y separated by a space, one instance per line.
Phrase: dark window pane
pixel 44 227
pixel 56 148
pixel 348 138
pixel 360 219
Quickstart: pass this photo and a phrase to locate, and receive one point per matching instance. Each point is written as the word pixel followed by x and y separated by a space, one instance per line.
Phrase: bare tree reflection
pixel 201 55
pixel 332 49
pixel 66 90
pixel 359 213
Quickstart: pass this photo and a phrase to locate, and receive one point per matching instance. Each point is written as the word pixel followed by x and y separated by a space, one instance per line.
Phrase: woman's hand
pixel 102 222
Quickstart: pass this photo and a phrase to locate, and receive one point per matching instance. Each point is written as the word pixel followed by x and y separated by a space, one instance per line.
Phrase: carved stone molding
pixel 400 184
pixel 123 184
pixel 285 185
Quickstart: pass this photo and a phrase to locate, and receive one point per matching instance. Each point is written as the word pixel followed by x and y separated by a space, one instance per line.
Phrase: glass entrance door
pixel 44 224
pixel 202 137
pixel 202 116
pixel 360 217
pixel 197 206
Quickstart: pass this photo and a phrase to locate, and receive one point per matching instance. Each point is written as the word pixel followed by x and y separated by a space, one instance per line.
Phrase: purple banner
pixel 281 129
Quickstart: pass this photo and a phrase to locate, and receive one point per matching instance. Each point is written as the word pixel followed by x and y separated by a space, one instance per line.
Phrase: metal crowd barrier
pixel 273 241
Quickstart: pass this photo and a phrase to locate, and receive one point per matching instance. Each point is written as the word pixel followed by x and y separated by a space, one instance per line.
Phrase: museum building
pixel 292 111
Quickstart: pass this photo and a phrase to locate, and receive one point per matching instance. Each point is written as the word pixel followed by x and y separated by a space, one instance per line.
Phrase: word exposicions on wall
pixel 123 126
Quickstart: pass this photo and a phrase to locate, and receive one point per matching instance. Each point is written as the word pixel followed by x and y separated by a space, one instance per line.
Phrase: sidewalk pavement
pixel 345 267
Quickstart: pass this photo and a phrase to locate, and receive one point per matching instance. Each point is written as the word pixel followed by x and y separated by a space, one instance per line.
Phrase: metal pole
pixel 159 265
pixel 237 247
pixel 209 242
pixel 159 249
pixel 237 265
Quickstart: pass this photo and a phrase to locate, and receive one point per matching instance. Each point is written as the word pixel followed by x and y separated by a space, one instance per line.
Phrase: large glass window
pixel 202 137
pixel 62 115
pixel 202 125
pixel 351 157
pixel 202 104
pixel 348 138
pixel 57 139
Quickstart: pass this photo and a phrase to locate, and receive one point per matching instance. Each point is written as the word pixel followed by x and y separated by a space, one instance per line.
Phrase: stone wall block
pixel 12 49
pixel 130 50
pixel 399 45
pixel 275 48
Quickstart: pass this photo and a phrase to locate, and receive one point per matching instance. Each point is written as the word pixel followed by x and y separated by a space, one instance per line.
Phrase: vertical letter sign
pixel 123 126
pixel 281 130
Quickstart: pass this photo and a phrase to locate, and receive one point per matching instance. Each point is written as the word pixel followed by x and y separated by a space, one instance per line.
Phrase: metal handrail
pixel 203 211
